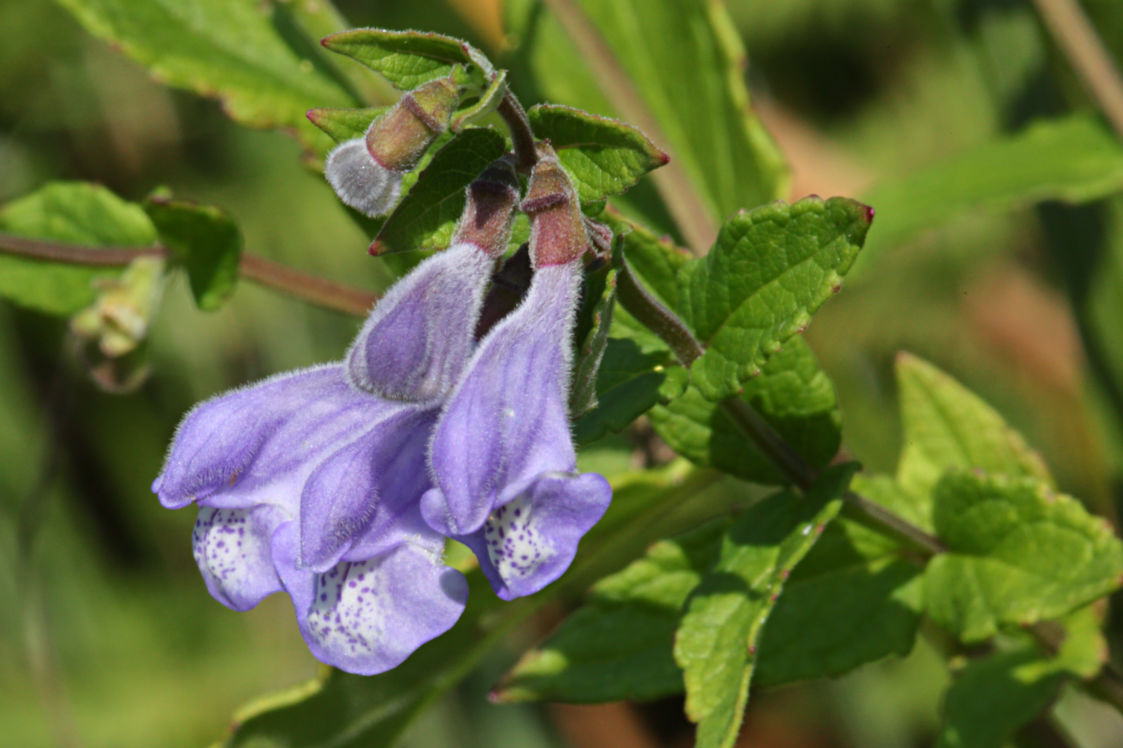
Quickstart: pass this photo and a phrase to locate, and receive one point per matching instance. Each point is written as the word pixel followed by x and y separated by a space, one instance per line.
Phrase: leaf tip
pixel 377 247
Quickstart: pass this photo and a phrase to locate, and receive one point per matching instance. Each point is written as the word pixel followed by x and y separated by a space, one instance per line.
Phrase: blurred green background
pixel 107 636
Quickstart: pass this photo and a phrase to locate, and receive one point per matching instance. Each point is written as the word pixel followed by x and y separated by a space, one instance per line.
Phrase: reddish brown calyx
pixel 399 138
pixel 557 227
pixel 490 209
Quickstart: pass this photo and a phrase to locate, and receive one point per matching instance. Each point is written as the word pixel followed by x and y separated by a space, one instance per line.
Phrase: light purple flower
pixel 503 462
pixel 309 481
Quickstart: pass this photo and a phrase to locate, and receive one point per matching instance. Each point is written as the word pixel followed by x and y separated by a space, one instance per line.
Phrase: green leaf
pixel 604 156
pixel 946 425
pixel 1075 159
pixel 409 58
pixel 675 70
pixel 600 301
pixel 487 103
pixel 769 271
pixel 655 260
pixel 1017 553
pixel 205 241
pixel 71 212
pixel 876 615
pixel 629 382
pixel 344 124
pixel 427 215
pixel 618 644
pixel 993 697
pixel 342 710
pixel 792 393
pixel 716 643
pixel 250 56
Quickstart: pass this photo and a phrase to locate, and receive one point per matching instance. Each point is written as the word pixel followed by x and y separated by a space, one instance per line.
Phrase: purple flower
pixel 309 482
pixel 366 173
pixel 503 461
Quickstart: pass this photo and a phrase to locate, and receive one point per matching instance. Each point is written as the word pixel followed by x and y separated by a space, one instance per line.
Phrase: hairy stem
pixel 290 281
pixel 1107 685
pixel 513 114
pixel 674 332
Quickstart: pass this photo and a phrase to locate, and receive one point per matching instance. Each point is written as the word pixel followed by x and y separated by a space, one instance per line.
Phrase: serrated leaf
pixel 72 212
pixel 1018 552
pixel 993 697
pixel 630 381
pixel 344 124
pixel 674 69
pixel 594 341
pixel 876 615
pixel 604 156
pixel 792 393
pixel 427 215
pixel 205 241
pixel 344 711
pixel 768 272
pixel 1084 650
pixel 1075 159
pixel 946 425
pixel 408 58
pixel 716 643
pixel 655 260
pixel 251 56
pixel 618 644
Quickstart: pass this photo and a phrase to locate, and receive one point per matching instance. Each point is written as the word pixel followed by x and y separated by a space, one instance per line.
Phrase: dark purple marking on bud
pixel 870 213
pixel 489 210
pixel 544 202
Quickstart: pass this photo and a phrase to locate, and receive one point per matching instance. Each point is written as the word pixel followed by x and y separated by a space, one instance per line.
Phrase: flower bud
pixel 109 335
pixel 366 173
pixel 490 209
pixel 557 226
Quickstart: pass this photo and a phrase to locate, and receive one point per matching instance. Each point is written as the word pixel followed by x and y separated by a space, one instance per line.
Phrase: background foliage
pixel 997 255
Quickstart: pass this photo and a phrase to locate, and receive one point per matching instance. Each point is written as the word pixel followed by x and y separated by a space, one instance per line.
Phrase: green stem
pixel 674 332
pixel 289 281
pixel 1107 685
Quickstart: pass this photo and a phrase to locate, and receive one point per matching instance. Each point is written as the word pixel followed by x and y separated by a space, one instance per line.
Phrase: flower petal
pixel 367 617
pixel 360 181
pixel 363 487
pixel 231 547
pixel 530 541
pixel 257 444
pixel 508 419
pixel 417 339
